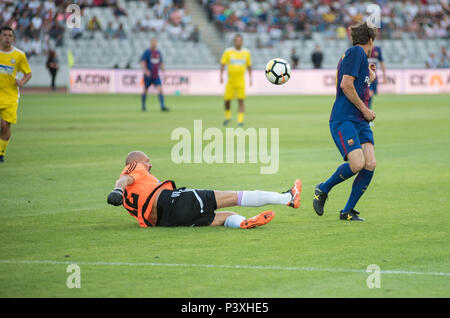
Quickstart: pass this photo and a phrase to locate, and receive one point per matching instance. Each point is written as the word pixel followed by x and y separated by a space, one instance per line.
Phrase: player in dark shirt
pixel 152 62
pixel 349 123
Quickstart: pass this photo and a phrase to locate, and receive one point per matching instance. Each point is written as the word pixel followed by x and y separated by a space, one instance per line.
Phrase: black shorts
pixel 186 207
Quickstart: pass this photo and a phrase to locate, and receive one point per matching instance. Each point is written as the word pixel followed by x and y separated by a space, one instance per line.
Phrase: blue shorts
pixel 149 81
pixel 349 135
pixel 374 86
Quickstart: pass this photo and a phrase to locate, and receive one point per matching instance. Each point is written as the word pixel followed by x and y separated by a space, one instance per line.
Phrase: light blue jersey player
pixel 349 123
pixel 376 57
pixel 152 62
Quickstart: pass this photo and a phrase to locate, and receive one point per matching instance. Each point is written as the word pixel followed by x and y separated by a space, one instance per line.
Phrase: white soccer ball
pixel 278 71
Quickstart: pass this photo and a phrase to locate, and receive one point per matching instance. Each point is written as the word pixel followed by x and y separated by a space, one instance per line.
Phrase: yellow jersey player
pixel 237 60
pixel 11 61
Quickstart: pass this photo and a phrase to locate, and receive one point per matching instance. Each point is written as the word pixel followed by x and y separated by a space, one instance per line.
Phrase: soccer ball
pixel 278 71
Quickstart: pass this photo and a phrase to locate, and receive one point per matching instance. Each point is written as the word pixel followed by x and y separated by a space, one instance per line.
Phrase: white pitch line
pixel 252 267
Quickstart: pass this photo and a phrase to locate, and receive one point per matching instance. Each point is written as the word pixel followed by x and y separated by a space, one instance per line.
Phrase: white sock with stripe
pixel 259 198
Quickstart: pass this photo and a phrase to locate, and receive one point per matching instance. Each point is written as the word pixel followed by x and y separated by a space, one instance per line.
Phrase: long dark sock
pixel 342 173
pixel 143 97
pixel 360 185
pixel 161 101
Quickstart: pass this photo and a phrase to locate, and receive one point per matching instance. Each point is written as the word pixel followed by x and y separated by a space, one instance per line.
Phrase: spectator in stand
pixel 77 33
pixel 49 5
pixel 146 23
pixel 26 47
pixel 120 33
pixel 37 19
pixel 99 3
pixel 33 5
pixel 195 35
pixel 36 45
pixel 157 25
pixel 118 12
pixel 294 59
pixel 23 21
pixel 138 27
pixel 93 24
pixel 444 60
pixel 109 31
pixel 56 33
pixel 317 57
pixel 174 31
pixel 432 61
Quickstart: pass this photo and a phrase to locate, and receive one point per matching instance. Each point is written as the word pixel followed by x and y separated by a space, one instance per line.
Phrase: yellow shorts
pixel 9 113
pixel 234 91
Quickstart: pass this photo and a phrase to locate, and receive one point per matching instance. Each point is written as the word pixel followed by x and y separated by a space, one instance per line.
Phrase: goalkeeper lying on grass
pixel 156 203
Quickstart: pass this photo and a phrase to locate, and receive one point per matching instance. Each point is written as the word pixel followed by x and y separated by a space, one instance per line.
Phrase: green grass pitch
pixel 67 151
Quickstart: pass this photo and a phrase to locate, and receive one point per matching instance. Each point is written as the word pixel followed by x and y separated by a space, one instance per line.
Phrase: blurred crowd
pixel 441 60
pixel 38 25
pixel 294 19
pixel 168 16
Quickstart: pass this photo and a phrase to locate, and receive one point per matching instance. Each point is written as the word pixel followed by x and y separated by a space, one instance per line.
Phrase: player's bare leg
pixel 221 217
pixel 369 156
pixel 241 111
pixel 356 160
pixel 227 104
pixel 5 135
pixel 5 130
pixel 226 199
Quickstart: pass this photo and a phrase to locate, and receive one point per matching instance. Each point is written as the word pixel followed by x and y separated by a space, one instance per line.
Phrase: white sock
pixel 234 221
pixel 259 198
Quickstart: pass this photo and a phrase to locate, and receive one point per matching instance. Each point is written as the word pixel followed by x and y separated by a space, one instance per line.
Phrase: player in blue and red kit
pixel 349 123
pixel 376 57
pixel 152 62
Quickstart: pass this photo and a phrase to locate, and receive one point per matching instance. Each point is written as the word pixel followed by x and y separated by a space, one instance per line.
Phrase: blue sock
pixel 360 185
pixel 342 173
pixel 143 97
pixel 161 101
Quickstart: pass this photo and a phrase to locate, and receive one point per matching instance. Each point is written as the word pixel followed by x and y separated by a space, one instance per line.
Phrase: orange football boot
pixel 258 220
pixel 295 192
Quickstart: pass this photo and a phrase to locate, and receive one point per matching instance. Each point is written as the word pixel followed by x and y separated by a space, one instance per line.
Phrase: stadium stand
pixel 114 33
pixel 275 27
pixel 117 35
pixel 39 26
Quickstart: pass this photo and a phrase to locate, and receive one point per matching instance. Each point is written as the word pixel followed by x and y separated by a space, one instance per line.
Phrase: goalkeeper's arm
pixel 115 197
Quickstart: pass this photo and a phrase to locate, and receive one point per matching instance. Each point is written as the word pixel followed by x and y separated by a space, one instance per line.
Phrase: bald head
pixel 138 157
